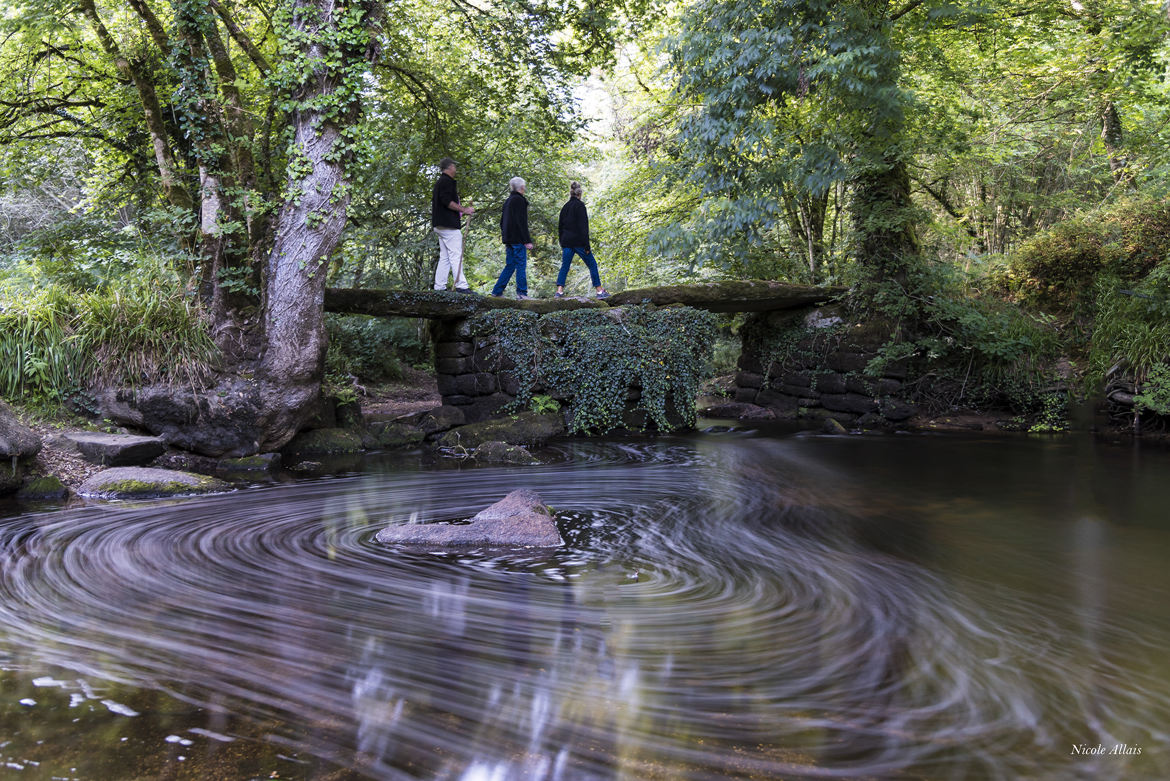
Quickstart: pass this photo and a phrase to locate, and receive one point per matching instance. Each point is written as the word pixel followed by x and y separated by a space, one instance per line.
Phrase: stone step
pixel 115 449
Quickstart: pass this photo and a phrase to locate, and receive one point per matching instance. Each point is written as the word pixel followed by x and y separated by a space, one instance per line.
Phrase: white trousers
pixel 450 258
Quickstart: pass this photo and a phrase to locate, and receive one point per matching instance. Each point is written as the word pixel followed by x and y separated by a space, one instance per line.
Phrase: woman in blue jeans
pixel 517 242
pixel 574 233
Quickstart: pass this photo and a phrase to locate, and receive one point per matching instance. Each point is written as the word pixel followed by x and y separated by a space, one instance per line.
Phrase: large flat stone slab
pixel 438 304
pixel 758 295
pixel 519 519
pixel 752 295
pixel 116 449
pixel 129 482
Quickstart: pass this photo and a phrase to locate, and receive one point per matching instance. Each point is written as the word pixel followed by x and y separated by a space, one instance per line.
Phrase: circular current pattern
pixel 722 608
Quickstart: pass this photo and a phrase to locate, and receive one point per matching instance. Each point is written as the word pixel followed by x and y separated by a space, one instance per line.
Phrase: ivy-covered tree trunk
pixel 326 68
pixel 883 216
pixel 883 212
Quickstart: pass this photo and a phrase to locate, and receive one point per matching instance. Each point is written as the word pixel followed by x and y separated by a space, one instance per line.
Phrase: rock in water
pixel 519 519
pixel 129 482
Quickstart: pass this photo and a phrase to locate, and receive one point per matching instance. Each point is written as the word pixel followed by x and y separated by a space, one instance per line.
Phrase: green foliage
pixel 969 348
pixel 371 348
pixel 593 358
pixel 1053 414
pixel 543 403
pixel 519 346
pixel 1155 391
pixel 600 355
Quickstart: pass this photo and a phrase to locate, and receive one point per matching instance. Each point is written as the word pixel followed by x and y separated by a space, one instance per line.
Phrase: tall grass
pixel 38 358
pixel 55 342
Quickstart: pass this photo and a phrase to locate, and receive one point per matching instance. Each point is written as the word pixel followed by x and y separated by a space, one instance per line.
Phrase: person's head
pixel 447 166
pixel 575 190
pixel 517 185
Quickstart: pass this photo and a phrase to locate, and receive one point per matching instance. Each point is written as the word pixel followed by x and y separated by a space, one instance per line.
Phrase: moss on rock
pixel 145 483
pixel 42 488
pixel 395 435
pixel 323 442
pixel 527 428
pixel 496 452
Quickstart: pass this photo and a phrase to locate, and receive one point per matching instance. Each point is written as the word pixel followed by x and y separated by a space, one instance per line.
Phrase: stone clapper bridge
pixel 465 385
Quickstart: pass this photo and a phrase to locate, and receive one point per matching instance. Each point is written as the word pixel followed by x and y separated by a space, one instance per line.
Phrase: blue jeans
pixel 567 258
pixel 515 259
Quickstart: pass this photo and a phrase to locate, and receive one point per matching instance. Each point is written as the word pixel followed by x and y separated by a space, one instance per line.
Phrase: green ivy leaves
pixel 605 362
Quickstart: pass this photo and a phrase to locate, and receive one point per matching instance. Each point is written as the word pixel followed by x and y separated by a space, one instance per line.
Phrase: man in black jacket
pixel 517 242
pixel 446 212
pixel 574 234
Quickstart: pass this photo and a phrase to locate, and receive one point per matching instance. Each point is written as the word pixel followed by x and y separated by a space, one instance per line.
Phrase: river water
pixel 729 604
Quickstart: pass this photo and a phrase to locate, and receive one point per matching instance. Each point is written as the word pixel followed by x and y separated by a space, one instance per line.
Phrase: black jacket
pixel 514 220
pixel 444 193
pixel 573 226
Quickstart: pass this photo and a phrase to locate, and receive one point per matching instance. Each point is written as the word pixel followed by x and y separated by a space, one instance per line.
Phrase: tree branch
pixel 905 9
pixel 240 37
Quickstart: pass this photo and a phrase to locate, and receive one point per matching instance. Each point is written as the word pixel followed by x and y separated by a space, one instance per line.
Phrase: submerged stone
pixel 519 519
pixel 389 434
pixel 527 428
pixel 323 442
pixel 129 482
pixel 497 452
pixel 261 462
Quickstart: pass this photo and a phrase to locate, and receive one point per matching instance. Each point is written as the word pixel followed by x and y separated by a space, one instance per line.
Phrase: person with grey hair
pixel 573 229
pixel 446 214
pixel 517 241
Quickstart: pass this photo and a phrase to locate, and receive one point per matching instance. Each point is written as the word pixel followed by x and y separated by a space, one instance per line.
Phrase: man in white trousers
pixel 446 214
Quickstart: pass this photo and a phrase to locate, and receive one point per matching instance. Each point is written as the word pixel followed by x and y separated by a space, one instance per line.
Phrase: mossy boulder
pixel 526 428
pixel 323 442
pixel 502 453
pixel 128 482
pixel 42 488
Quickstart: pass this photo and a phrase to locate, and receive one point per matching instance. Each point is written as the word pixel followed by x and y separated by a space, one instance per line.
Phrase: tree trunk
pixel 1111 135
pixel 312 218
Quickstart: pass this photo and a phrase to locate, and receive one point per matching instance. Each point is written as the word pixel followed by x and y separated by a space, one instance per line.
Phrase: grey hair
pixel 515 183
pixel 575 190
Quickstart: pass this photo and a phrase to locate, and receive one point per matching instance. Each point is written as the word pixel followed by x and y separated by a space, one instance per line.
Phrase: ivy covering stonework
pixel 606 363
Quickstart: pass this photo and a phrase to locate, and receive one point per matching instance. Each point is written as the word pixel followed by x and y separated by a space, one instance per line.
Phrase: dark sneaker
pixel 523 297
pixel 559 295
pixel 603 294
pixel 466 290
pixel 497 295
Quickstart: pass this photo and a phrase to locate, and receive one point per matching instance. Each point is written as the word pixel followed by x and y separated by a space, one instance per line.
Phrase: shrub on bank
pixel 1056 270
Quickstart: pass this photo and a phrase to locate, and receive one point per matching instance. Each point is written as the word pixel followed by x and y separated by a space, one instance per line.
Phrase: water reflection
pixel 727 605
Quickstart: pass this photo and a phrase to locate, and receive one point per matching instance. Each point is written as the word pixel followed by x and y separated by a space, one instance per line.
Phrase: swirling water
pixel 727 605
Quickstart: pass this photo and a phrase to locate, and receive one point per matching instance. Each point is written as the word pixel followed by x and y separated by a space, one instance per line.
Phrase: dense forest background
pixel 990 179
